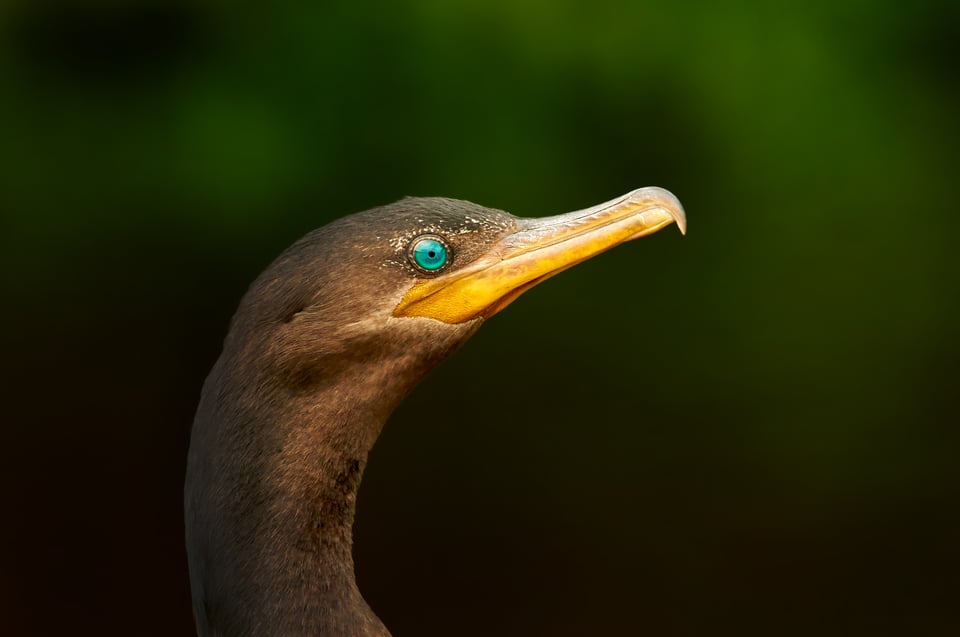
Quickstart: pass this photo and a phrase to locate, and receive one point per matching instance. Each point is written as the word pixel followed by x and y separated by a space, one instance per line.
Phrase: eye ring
pixel 429 253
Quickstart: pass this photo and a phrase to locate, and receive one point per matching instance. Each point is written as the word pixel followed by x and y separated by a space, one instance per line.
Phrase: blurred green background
pixel 750 430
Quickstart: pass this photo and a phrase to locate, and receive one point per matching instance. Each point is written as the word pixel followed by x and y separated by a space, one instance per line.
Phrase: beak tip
pixel 679 217
pixel 668 202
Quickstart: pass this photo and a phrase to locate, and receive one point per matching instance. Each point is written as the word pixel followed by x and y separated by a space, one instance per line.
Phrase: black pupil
pixel 431 254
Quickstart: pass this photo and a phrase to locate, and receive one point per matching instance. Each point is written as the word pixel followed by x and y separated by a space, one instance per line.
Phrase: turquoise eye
pixel 429 253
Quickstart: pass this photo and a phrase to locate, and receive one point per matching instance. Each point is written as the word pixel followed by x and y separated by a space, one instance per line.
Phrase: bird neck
pixel 306 537
pixel 271 493
pixel 279 445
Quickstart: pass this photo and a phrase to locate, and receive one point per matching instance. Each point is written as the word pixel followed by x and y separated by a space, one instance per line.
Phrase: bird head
pixel 406 283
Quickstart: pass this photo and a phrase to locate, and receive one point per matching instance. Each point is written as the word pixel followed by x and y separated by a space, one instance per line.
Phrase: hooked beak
pixel 539 249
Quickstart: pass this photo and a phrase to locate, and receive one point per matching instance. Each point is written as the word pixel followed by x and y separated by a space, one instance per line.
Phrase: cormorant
pixel 326 342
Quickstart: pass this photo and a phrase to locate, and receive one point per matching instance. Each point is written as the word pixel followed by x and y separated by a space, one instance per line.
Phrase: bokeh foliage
pixel 751 429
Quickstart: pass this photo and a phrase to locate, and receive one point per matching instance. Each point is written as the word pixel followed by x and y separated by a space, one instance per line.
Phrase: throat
pixel 306 548
pixel 276 459
pixel 270 526
pixel 312 484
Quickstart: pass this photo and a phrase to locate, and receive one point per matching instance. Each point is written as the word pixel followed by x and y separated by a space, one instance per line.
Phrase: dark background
pixel 750 430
